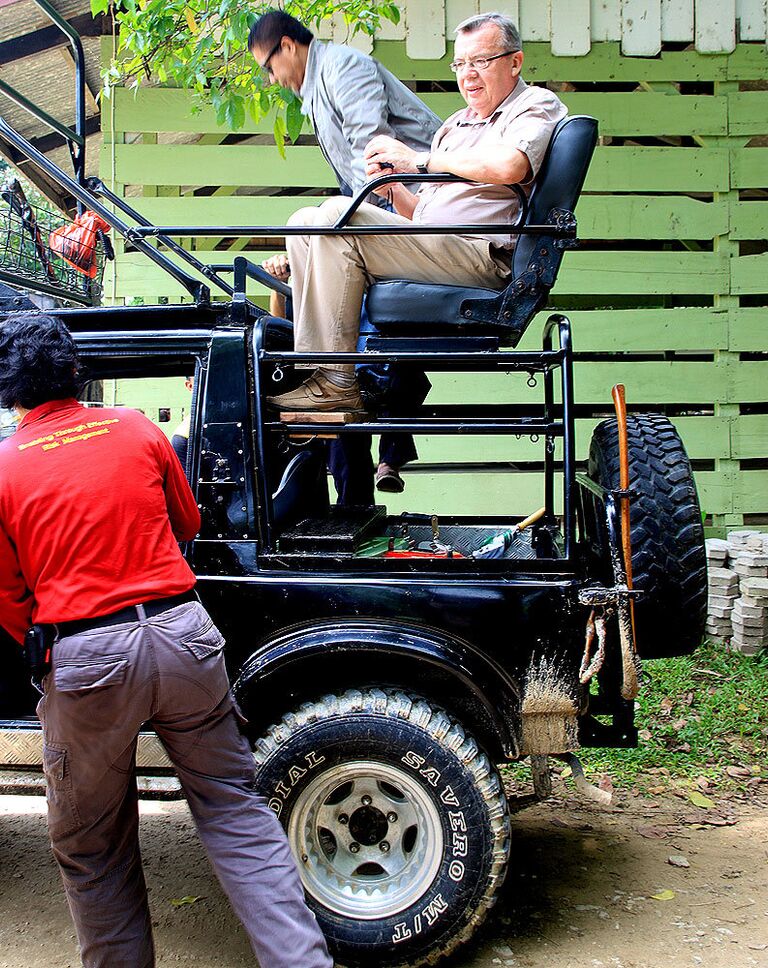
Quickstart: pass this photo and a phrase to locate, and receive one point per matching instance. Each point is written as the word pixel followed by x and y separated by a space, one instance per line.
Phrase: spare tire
pixel 668 556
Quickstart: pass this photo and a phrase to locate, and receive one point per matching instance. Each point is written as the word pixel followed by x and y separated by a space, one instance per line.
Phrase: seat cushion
pixel 425 309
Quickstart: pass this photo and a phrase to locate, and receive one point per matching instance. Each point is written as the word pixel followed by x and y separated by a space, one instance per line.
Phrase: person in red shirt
pixel 92 505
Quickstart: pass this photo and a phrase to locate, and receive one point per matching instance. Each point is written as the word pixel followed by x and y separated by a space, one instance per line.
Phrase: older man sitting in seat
pixel 498 140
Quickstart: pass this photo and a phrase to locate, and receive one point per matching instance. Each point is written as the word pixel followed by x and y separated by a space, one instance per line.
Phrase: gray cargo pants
pixel 168 671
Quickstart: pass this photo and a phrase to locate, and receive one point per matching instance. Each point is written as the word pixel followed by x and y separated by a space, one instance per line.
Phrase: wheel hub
pixel 369 839
pixel 368 826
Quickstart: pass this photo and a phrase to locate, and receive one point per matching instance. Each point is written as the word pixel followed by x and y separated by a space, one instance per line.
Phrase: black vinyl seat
pixel 400 308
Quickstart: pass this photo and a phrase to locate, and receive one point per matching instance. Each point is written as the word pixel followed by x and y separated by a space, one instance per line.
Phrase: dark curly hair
pixel 38 361
pixel 273 25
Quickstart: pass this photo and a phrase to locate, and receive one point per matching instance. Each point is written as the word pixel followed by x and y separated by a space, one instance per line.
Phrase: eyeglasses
pixel 478 63
pixel 265 66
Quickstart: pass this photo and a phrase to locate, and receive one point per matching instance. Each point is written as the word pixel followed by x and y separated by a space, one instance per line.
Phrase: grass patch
pixel 698 716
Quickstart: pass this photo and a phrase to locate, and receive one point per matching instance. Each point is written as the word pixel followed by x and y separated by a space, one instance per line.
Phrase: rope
pixel 591 664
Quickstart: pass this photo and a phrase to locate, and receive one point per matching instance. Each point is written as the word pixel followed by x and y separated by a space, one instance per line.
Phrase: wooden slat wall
pixel 572 26
pixel 668 293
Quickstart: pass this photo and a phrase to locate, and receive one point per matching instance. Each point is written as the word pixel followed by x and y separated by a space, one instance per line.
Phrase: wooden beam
pixel 47 38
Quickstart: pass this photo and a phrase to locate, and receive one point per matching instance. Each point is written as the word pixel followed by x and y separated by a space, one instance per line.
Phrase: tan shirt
pixel 524 120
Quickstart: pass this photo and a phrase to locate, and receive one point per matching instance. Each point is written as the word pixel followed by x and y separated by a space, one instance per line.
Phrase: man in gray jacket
pixel 349 98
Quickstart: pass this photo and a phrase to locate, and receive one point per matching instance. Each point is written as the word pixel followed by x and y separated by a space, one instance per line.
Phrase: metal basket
pixel 27 259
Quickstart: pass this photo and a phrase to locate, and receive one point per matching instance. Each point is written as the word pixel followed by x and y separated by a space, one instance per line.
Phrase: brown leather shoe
pixel 318 393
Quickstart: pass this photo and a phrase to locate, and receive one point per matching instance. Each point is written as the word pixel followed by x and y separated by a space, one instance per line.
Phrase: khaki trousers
pixel 331 273
pixel 166 670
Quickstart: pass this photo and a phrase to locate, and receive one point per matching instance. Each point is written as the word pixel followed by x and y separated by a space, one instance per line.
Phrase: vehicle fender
pixel 303 660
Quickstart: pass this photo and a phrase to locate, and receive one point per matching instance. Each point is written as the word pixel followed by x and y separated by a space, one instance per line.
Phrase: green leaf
pixel 279 132
pixel 178 902
pixel 664 895
pixel 699 800
pixel 234 111
pixel 99 6
pixel 294 119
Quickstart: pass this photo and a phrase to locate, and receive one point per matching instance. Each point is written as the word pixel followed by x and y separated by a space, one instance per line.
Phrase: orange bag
pixel 76 243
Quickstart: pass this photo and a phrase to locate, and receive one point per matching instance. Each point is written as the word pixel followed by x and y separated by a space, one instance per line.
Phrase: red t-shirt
pixel 92 504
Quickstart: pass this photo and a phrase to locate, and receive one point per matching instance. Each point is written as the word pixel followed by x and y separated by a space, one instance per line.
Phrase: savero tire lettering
pixel 457 820
pixel 282 789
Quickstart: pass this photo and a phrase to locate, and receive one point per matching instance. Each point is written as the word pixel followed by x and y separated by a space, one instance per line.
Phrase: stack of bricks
pixel 750 612
pixel 723 589
pixel 738 590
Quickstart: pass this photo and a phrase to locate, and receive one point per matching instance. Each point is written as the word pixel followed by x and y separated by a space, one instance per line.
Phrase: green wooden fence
pixel 667 294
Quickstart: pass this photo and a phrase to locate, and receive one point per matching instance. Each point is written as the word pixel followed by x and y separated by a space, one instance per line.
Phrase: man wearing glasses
pixel 350 99
pixel 498 140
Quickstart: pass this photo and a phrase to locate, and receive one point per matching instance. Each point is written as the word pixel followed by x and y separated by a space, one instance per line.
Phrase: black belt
pixel 128 614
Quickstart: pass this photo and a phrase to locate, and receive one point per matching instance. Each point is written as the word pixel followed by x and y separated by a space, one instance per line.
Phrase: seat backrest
pixel 303 489
pixel 559 181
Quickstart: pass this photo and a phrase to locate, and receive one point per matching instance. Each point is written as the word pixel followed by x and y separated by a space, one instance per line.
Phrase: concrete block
pixel 755 588
pixel 715 611
pixel 722 601
pixel 751 626
pixel 740 607
pixel 745 648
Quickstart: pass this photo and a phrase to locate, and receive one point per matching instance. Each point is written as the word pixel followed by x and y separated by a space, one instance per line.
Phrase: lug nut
pixel 354 847
pixel 343 819
pixel 366 801
pixel 384 846
pixel 392 817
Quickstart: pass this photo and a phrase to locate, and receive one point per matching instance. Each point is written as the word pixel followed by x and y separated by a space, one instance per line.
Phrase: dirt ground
pixel 579 892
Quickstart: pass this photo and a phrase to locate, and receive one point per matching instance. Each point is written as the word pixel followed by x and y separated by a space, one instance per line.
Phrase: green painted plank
pixel 630 114
pixel 245 165
pixel 600 217
pixel 167 109
pixel 614 169
pixel 650 217
pixel 223 209
pixel 749 168
pixel 746 63
pixel 750 437
pixel 749 382
pixel 604 62
pixel 748 330
pixel 704 438
pixel 747 113
pixel 607 273
pixel 610 273
pixel 638 330
pixel 646 382
pixel 653 381
pixel 749 275
pixel 620 114
pixel 749 220
pixel 490 494
pixel 620 169
pixel 751 492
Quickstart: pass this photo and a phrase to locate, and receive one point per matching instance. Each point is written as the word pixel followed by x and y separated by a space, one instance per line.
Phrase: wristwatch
pixel 422 162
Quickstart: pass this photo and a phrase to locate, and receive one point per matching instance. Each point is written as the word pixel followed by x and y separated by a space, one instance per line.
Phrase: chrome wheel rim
pixel 367 838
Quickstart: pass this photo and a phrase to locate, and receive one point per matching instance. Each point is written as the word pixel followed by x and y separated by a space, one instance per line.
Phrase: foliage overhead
pixel 201 45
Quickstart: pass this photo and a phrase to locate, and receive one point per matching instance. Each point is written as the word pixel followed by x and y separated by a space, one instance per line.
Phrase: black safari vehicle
pixel 387 663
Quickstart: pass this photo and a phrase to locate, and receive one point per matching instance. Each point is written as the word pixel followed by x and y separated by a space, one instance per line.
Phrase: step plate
pixel 23 746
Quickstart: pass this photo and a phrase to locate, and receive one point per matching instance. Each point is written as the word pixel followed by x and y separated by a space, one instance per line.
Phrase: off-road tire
pixel 668 556
pixel 415 747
